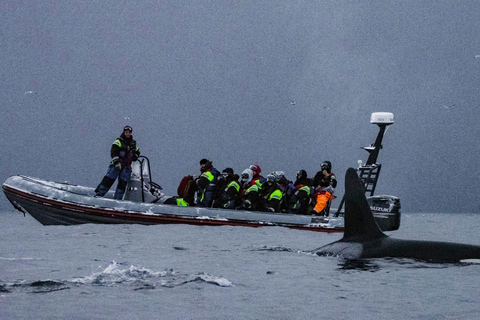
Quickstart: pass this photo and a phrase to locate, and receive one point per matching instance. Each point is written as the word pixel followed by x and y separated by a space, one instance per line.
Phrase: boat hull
pixel 63 204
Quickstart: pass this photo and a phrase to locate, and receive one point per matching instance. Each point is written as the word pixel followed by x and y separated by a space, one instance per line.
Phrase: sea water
pixel 97 271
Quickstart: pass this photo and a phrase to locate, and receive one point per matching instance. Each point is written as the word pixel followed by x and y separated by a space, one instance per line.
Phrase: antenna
pixel 370 171
pixel 383 120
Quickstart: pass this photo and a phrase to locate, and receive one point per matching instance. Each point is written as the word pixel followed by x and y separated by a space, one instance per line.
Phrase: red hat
pixel 255 167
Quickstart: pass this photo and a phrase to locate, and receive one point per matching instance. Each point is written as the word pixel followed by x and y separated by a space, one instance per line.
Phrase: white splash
pixel 473 261
pixel 114 275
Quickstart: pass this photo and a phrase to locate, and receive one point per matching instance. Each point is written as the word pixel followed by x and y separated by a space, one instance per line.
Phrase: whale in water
pixel 363 239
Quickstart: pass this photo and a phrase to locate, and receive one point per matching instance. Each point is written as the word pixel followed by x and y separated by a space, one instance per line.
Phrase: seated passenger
pixel 228 190
pixel 322 198
pixel 250 195
pixel 176 201
pixel 300 197
pixel 206 183
pixel 325 176
pixel 256 174
pixel 273 192
pixel 186 193
pixel 324 184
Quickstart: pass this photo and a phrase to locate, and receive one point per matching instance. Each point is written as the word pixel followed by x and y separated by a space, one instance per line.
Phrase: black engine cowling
pixel 386 210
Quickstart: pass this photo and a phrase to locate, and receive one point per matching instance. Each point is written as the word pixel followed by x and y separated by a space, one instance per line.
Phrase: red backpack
pixel 186 189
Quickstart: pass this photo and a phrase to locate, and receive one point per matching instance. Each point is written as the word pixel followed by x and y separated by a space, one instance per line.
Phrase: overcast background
pixel 216 79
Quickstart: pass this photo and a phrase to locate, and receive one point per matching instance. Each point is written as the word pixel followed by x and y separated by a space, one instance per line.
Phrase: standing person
pixel 206 183
pixel 124 150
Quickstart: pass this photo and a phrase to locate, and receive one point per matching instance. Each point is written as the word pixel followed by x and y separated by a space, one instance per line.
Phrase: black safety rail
pixel 144 161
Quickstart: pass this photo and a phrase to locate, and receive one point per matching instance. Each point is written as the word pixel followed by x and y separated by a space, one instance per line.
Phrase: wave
pixel 113 275
pixel 40 286
pixel 274 248
pixel 18 259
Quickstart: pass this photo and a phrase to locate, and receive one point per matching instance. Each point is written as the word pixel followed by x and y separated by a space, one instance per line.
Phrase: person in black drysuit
pixel 325 177
pixel 227 193
pixel 324 184
pixel 300 197
pixel 124 150
pixel 206 183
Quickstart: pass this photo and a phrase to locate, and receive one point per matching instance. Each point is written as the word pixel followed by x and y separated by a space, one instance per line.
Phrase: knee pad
pixel 122 184
pixel 106 181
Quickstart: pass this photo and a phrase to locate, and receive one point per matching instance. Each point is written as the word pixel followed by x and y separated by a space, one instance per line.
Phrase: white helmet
pixel 247 176
pixel 279 175
pixel 271 177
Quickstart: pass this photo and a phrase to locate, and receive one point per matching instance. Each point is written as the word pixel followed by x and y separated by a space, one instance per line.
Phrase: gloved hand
pixel 118 165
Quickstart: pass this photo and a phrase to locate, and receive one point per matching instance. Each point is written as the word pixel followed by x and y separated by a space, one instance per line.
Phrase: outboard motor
pixel 386 210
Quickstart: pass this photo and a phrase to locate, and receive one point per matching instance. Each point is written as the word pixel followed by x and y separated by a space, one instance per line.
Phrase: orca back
pixel 363 238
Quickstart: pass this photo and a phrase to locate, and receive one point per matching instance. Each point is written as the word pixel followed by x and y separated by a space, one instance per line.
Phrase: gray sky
pixel 216 79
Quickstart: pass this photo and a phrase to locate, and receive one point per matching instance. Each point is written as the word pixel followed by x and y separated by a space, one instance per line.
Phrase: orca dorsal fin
pixel 359 220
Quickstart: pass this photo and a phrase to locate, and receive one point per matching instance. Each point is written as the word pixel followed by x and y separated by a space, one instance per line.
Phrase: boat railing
pixel 146 177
